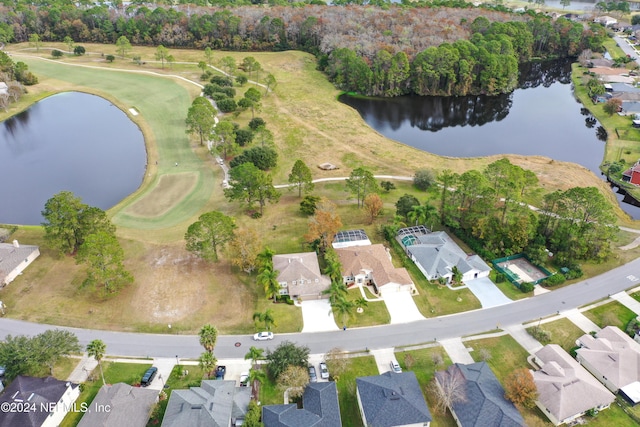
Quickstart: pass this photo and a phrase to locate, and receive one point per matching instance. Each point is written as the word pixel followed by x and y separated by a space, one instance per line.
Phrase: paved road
pixel 463 324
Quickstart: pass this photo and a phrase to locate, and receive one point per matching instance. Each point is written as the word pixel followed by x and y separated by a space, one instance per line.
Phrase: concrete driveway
pixel 487 292
pixel 317 316
pixel 401 307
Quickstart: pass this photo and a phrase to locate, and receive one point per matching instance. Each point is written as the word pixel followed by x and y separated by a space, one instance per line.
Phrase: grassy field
pixel 173 287
pixel 357 367
pixel 563 332
pixel 375 313
pixel 114 372
pixel 611 314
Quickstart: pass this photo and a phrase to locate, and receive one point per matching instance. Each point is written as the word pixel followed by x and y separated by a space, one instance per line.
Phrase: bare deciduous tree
pixel 294 378
pixel 337 361
pixel 448 388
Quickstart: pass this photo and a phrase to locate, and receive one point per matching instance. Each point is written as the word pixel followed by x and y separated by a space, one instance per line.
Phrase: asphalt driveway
pixel 487 292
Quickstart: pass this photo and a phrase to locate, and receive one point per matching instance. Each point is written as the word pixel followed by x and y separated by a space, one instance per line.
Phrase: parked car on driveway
pixel 220 372
pixel 324 372
pixel 244 379
pixel 395 367
pixel 148 376
pixel 312 375
pixel 263 336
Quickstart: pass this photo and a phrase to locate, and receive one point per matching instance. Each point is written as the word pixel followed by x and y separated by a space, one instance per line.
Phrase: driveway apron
pixel 401 307
pixel 487 292
pixel 317 316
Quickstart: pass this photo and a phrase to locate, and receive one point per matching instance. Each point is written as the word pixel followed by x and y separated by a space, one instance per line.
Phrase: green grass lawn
pixel 423 364
pixel 357 367
pixel 114 372
pixel 375 313
pixel 509 289
pixel 563 332
pixel 611 314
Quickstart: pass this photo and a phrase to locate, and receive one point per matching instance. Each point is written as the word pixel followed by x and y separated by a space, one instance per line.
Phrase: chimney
pixel 16 244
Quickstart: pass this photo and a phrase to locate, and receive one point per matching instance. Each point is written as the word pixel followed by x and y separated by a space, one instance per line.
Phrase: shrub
pixel 256 122
pixel 221 81
pixel 573 273
pixel 28 79
pixel 541 335
pixel 57 53
pixel 632 327
pixel 527 287
pixel 218 96
pixel 500 278
pixel 244 137
pixel 212 88
pixel 242 79
pixel 227 105
pixel 555 279
pixel 110 58
pixel 263 158
pixel 79 50
pixel 423 179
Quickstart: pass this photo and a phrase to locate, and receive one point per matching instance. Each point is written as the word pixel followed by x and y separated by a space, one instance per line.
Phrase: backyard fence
pixel 501 265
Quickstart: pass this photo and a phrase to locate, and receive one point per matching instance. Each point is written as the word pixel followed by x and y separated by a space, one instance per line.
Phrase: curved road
pixel 463 324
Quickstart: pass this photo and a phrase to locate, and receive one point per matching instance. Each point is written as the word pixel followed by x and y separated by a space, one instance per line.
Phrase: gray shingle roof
pixel 210 405
pixel 38 391
pixel 392 399
pixel 303 269
pixel 130 406
pixel 320 409
pixel 11 257
pixel 484 403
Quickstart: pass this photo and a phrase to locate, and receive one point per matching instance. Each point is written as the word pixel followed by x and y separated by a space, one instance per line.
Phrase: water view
pixel 542 117
pixel 70 141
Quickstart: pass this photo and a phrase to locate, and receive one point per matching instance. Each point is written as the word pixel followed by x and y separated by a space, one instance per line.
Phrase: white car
pixel 263 336
pixel 395 367
pixel 324 372
pixel 244 379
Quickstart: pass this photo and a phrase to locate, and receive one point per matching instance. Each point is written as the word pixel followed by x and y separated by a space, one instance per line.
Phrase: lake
pixel 70 141
pixel 541 117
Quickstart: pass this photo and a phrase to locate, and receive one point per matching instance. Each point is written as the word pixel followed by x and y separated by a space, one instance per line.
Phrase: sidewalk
pixel 82 370
pixel 520 334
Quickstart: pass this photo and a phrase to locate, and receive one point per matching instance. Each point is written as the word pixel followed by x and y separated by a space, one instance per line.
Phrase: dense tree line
pixel 487 209
pixel 382 51
pixel 16 75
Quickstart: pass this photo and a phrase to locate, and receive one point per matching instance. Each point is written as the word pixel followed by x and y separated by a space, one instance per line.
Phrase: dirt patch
pixel 169 192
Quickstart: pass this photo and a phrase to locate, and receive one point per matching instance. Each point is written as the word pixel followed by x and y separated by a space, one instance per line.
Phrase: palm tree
pixel 208 337
pixel 344 308
pixel 333 268
pixel 265 258
pixel 207 362
pixel 256 375
pixel 361 303
pixel 97 349
pixel 266 318
pixel 268 278
pixel 254 354
pixel 336 291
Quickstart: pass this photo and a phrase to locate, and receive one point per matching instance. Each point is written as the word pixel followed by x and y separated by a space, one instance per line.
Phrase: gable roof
pixel 437 253
pixel 38 391
pixel 130 406
pixel 613 354
pixel 11 256
pixel 565 388
pixel 392 399
pixel 484 403
pixel 213 404
pixel 304 269
pixel 374 258
pixel 320 409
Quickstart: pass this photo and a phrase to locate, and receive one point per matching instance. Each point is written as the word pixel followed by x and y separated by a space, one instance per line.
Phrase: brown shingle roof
pixel 373 258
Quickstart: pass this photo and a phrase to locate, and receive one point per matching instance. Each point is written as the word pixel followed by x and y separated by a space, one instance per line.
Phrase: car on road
pixel 263 336
pixel 221 371
pixel 312 375
pixel 395 367
pixel 324 372
pixel 244 379
pixel 148 376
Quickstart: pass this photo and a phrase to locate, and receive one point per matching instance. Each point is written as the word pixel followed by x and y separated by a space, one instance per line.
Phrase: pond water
pixel 541 117
pixel 70 141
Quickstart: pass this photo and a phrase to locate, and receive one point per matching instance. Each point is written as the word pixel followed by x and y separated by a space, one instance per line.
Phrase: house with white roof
pixel 436 254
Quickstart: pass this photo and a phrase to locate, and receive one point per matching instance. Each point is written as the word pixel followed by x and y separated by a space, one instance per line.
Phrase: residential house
pixel 120 405
pixel 213 404
pixel 50 401
pixel 371 265
pixel 566 390
pixel 436 254
pixel 347 238
pixel 612 356
pixel 392 400
pixel 632 175
pixel 14 258
pixel 605 20
pixel 299 275
pixel 482 402
pixel 320 408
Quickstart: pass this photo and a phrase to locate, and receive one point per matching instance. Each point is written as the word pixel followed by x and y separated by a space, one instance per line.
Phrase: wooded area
pixel 391 50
